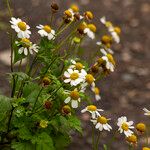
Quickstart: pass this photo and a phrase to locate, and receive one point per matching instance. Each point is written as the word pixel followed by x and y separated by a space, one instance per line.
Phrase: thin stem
pixel 51 18
pixel 37 99
pixel 97 142
pixel 93 138
pixel 9 8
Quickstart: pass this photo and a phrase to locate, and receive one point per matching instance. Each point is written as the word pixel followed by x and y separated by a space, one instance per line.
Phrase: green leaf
pixel 20 75
pixel 24 133
pixel 61 141
pixel 22 146
pixel 105 147
pixel 5 106
pixel 75 123
pixel 43 142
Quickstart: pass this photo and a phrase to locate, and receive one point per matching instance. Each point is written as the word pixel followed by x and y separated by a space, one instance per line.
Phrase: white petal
pixel 74 103
pixel 67 100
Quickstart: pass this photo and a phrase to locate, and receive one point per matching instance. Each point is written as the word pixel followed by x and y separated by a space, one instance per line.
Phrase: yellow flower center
pixel 26 42
pixel 125 127
pixel 22 26
pixel 92 27
pixel 117 30
pixel 108 24
pixel 102 120
pixel 74 95
pixel 96 91
pixel 91 108
pixel 145 148
pixel 43 124
pixel 132 139
pixel 89 78
pixel 75 8
pixel 141 127
pixel 46 81
pixel 100 61
pixel 106 39
pixel 47 28
pixel 81 27
pixel 79 66
pixel 111 59
pixel 74 76
pixel 68 13
pixel 89 15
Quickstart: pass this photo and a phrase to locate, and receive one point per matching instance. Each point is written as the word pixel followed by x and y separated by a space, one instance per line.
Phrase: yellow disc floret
pixel 88 15
pixel 91 108
pixel 43 124
pixel 125 127
pixel 141 127
pixel 47 28
pixel 89 78
pixel 74 76
pixel 74 95
pixel 102 120
pixel 22 26
pixel 75 8
pixel 117 30
pixel 145 148
pixel 106 39
pixel 111 59
pixel 96 91
pixel 68 13
pixel 108 24
pixel 66 109
pixel 92 27
pixel 26 42
pixel 132 139
pixel 79 66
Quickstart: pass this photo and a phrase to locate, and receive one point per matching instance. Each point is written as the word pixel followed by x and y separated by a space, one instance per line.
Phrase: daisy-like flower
pixel 125 126
pixel 101 123
pixel 147 112
pixel 90 31
pixel 20 27
pixel 132 139
pixel 114 31
pixel 108 58
pixel 74 98
pixel 93 110
pixel 46 31
pixel 76 65
pixel 73 77
pixel 26 47
pixel 69 14
pixel 97 93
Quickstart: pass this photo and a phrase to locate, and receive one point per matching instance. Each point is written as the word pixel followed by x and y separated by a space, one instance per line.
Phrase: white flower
pixel 74 97
pixel 73 77
pixel 101 123
pixel 27 47
pixel 111 29
pixel 46 31
pixel 76 65
pixel 93 110
pixel 105 48
pixel 20 27
pixel 147 112
pixel 89 33
pixel 124 126
pixel 108 58
pixel 97 93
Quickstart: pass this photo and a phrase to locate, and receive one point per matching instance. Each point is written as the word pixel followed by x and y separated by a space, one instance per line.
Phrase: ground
pixel 124 92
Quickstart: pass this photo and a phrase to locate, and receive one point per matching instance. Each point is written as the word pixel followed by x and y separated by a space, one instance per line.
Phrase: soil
pixel 124 92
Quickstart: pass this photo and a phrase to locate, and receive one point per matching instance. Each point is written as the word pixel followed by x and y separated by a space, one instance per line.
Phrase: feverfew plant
pixel 41 114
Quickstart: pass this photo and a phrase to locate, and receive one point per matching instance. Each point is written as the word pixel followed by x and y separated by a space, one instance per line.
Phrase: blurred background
pixel 124 92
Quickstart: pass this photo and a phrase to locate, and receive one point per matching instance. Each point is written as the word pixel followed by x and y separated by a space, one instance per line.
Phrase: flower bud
pixel 81 27
pixel 76 40
pixel 106 39
pixel 141 127
pixel 132 139
pixel 48 105
pixel 88 15
pixel 46 81
pixel 117 30
pixel 75 8
pixel 92 27
pixel 54 7
pixel 66 110
pixel 94 69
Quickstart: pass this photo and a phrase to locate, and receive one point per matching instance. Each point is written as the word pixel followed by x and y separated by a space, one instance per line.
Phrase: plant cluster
pixel 41 112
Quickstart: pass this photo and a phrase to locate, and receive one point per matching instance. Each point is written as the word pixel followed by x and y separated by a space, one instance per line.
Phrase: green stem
pixel 97 142
pixel 93 138
pixel 37 99
pixel 9 8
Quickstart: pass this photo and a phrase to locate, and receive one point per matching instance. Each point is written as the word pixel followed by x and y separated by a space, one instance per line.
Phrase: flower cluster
pixel 41 110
